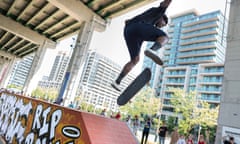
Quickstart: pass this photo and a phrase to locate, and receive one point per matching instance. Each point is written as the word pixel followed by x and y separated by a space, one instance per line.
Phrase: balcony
pixel 196 60
pixel 201 39
pixel 210 90
pixel 200 21
pixel 212 72
pixel 197 46
pixel 210 82
pixel 200 27
pixel 211 99
pixel 195 53
pixel 200 33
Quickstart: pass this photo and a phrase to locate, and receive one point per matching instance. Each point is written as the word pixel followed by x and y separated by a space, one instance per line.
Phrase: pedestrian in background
pixel 162 133
pixel 174 136
pixel 228 141
pixel 136 124
pixel 201 140
pixel 181 140
pixel 190 139
pixel 146 131
pixel 118 116
pixel 103 113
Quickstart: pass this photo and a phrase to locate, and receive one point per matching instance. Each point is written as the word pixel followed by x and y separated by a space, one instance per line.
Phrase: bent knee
pixel 162 39
pixel 135 60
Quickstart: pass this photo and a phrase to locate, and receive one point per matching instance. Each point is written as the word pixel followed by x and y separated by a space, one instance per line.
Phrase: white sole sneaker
pixel 153 56
pixel 114 85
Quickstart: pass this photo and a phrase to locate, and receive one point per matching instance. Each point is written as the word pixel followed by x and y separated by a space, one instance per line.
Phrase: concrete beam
pixel 16 28
pixel 80 12
pixel 133 6
pixel 7 55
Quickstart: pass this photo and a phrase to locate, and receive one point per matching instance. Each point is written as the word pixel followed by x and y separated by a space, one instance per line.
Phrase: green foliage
pixel 38 92
pixel 171 123
pixel 45 93
pixel 193 111
pixel 145 103
pixel 14 86
pixel 84 106
pixel 87 107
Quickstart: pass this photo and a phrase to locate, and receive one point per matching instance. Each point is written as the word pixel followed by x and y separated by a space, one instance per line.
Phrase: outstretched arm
pixel 165 3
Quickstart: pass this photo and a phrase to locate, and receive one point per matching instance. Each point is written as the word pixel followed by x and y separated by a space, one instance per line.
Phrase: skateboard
pixel 134 87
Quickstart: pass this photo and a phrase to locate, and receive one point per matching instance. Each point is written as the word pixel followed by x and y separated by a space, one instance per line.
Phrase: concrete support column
pixel 33 76
pixel 2 62
pixel 72 77
pixel 6 67
pixel 229 114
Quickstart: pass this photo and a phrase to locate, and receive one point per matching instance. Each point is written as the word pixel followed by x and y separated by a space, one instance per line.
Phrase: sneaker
pixel 115 86
pixel 152 55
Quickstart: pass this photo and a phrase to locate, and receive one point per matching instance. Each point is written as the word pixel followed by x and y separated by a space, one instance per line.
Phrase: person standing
pixel 71 105
pixel 146 131
pixel 144 27
pixel 129 121
pixel 174 136
pixel 118 116
pixel 103 113
pixel 162 133
pixel 190 139
pixel 230 141
pixel 181 140
pixel 136 124
pixel 201 140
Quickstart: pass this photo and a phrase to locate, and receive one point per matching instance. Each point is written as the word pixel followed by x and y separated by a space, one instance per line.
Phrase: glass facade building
pixel 194 57
pixel 54 80
pixel 20 71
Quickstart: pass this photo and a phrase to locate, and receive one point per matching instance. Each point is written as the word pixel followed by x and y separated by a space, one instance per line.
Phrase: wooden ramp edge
pixel 28 120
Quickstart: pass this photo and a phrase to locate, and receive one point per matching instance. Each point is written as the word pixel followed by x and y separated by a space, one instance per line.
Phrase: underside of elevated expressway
pixel 25 24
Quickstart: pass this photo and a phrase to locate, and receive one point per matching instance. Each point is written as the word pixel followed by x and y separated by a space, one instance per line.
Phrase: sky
pixel 111 44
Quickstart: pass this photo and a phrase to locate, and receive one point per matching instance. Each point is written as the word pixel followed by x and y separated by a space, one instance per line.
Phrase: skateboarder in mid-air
pixel 144 27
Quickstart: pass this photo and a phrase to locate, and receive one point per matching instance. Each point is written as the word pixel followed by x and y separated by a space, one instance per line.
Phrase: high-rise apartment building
pixel 59 67
pixel 194 57
pixel 20 71
pixel 196 39
pixel 57 72
pixel 205 79
pixel 95 83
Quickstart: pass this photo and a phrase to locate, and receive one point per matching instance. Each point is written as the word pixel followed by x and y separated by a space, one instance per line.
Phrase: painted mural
pixel 25 120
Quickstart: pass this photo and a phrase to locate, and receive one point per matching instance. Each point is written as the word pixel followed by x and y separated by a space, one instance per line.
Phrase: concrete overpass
pixel 26 24
pixel 32 26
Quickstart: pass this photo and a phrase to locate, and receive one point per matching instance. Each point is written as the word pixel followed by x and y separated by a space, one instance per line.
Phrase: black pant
pixel 144 134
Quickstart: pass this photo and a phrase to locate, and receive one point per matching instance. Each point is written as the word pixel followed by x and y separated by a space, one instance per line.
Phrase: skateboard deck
pixel 134 87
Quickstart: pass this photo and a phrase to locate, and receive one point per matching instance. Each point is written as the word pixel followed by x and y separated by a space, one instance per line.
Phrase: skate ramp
pixel 103 130
pixel 29 120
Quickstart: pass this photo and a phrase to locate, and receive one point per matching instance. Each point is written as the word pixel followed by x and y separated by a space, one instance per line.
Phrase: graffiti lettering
pixel 13 112
pixel 71 132
pixel 24 120
pixel 56 116
pixel 44 127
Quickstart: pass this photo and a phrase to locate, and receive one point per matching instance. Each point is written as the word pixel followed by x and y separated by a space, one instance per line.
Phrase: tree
pixel 52 94
pixel 193 111
pixel 144 103
pixel 38 93
pixel 15 86
pixel 45 93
